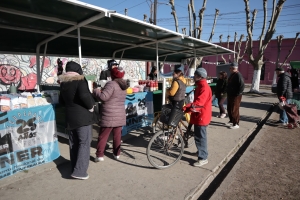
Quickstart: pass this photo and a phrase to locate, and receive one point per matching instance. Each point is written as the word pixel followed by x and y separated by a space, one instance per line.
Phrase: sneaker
pixel 117 157
pixel 99 159
pixel 218 116
pixel 223 116
pixel 81 178
pixel 284 124
pixel 235 126
pixel 229 124
pixel 200 163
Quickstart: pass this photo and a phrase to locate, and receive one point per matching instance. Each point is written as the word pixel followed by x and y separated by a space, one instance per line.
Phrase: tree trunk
pixel 256 78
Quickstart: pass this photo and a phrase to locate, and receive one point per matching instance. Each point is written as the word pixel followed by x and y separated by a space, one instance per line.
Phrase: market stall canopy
pixel 295 64
pixel 27 25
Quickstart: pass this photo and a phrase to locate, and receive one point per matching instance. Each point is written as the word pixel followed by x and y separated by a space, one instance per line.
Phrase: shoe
pixel 284 124
pixel 278 122
pixel 223 116
pixel 117 157
pixel 234 127
pixel 200 163
pixel 229 124
pixel 218 116
pixel 81 178
pixel 99 159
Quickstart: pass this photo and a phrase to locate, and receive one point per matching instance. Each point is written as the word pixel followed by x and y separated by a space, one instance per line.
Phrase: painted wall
pixel 20 70
pixel 270 57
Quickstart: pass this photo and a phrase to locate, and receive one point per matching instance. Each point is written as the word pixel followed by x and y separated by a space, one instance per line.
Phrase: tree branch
pixel 234 44
pixel 264 24
pixel 249 32
pixel 201 13
pixel 190 20
pixel 246 45
pixel 238 58
pixel 174 14
pixel 213 28
pixel 145 17
pixel 221 43
pixel 194 18
pixel 291 51
pixel 279 41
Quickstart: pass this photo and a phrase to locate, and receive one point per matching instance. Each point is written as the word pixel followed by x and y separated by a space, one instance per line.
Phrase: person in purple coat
pixel 113 116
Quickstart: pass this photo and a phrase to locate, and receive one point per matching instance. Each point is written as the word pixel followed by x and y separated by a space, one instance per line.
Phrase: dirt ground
pixel 269 169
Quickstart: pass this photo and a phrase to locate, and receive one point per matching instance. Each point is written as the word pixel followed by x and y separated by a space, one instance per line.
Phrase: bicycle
pixel 166 147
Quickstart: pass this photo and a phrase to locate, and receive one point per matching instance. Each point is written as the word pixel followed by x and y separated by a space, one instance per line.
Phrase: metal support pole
pixel 79 46
pixel 38 68
pixel 121 58
pixel 45 50
pixel 157 60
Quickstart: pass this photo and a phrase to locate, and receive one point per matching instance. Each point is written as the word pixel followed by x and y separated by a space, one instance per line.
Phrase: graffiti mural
pixel 20 70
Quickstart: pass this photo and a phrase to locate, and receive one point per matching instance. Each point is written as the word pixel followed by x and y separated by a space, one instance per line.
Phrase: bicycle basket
pixel 170 116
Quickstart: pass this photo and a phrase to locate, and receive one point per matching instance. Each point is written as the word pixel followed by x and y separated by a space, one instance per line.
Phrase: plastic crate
pixel 170 116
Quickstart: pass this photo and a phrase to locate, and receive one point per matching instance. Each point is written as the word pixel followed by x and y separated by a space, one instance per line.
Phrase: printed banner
pixel 27 139
pixel 139 111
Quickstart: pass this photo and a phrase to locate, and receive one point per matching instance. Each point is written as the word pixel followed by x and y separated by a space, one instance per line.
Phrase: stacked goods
pixel 26 100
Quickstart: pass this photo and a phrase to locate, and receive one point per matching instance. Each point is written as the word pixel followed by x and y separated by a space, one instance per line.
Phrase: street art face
pixel 9 75
pixel 20 70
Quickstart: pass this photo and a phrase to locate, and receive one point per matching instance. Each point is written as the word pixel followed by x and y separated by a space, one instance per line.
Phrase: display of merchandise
pixel 27 100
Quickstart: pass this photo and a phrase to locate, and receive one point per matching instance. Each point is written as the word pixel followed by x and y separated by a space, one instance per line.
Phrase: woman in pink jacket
pixel 201 111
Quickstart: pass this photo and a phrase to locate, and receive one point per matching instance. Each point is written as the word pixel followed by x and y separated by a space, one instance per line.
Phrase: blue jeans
pixel 282 114
pixel 201 141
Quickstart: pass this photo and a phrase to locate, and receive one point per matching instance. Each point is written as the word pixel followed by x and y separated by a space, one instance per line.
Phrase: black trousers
pixel 80 142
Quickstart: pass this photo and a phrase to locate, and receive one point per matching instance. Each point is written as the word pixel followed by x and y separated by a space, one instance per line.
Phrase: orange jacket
pixel 201 108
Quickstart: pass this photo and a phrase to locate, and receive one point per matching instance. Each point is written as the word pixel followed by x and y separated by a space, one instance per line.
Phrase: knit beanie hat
pixel 72 66
pixel 110 63
pixel 117 72
pixel 201 72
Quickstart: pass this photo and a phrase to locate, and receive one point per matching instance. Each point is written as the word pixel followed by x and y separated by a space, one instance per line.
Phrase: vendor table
pixel 28 138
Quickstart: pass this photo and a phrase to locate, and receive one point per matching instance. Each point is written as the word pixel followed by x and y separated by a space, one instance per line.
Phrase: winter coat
pixel 284 86
pixel 201 108
pixel 112 98
pixel 236 84
pixel 77 99
pixel 221 87
pixel 105 75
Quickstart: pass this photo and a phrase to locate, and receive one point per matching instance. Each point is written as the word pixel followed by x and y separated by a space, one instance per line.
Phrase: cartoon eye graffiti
pixel 12 71
pixel 3 71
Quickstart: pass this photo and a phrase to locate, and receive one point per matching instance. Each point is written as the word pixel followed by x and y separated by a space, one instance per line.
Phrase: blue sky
pixel 231 17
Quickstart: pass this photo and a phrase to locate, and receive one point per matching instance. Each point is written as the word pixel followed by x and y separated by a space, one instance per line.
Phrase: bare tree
pixel 190 20
pixel 292 49
pixel 174 14
pixel 201 13
pixel 220 38
pixel 194 18
pixel 265 37
pixel 279 42
pixel 213 28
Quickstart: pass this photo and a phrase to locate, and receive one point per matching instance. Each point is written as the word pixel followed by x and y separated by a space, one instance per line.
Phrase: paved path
pixel 133 177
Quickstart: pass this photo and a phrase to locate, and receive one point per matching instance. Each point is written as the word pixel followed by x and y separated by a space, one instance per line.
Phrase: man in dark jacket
pixel 235 90
pixel 284 91
pixel 79 103
pixel 106 74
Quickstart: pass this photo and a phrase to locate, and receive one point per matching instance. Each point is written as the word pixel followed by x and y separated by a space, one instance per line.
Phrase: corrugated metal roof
pixel 24 25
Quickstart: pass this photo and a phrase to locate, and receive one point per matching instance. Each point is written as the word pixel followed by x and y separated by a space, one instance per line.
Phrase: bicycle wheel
pixel 188 136
pixel 158 126
pixel 164 149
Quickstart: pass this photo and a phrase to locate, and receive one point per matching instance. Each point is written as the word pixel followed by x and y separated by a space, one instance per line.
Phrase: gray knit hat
pixel 201 72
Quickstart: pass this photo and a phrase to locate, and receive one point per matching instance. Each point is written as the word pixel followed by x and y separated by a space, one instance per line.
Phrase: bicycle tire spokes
pixel 164 150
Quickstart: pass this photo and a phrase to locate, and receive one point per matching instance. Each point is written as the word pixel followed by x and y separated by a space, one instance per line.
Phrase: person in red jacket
pixel 201 112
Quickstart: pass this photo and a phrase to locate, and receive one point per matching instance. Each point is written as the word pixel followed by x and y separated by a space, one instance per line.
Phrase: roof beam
pixel 184 51
pixel 144 44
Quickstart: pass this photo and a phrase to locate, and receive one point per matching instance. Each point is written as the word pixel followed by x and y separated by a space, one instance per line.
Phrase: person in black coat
pixel 221 92
pixel 106 74
pixel 235 90
pixel 153 74
pixel 284 92
pixel 79 104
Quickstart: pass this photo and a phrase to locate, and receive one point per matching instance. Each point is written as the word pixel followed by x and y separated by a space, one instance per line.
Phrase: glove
pixel 282 98
pixel 92 109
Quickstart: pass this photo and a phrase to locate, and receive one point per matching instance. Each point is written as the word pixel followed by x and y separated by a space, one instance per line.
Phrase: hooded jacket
pixel 112 98
pixel 201 108
pixel 284 86
pixel 77 99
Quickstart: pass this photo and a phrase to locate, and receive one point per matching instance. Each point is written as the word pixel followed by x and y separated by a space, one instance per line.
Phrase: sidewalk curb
pixel 195 194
